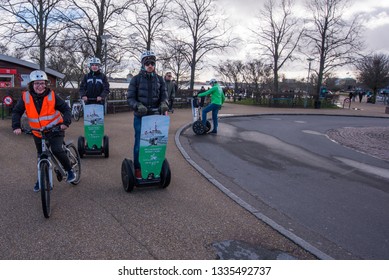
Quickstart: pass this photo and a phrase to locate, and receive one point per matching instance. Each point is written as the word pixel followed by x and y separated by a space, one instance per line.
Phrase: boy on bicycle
pixel 44 109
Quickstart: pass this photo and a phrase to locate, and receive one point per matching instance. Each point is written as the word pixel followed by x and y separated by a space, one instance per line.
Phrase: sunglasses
pixel 152 63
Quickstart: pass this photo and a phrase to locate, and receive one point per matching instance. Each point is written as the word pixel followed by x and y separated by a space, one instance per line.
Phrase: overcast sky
pixel 375 15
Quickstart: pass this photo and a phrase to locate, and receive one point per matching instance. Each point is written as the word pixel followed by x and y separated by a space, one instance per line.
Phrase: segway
pixel 198 126
pixel 95 142
pixel 154 166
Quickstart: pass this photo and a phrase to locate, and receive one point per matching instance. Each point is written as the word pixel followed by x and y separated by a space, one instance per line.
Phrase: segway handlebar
pixel 153 111
pixel 91 99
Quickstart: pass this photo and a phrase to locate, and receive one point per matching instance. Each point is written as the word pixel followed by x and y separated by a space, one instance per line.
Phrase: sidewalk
pixel 183 221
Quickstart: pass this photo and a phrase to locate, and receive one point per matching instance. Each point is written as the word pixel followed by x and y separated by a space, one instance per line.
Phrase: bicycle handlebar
pixel 56 128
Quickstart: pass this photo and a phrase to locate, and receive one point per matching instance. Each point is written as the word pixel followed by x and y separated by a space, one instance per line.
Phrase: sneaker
pixel 138 174
pixel 71 177
pixel 36 187
pixel 214 131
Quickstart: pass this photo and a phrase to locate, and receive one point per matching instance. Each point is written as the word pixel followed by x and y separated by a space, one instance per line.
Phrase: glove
pixel 142 110
pixel 163 108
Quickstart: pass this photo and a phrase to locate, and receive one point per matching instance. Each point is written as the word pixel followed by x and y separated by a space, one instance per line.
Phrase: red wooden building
pixel 16 72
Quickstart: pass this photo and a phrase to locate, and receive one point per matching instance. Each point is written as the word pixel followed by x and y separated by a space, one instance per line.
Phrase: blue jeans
pixel 137 130
pixel 215 110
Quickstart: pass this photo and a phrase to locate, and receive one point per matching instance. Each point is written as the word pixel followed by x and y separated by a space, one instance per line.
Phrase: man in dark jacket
pixel 170 90
pixel 95 84
pixel 146 91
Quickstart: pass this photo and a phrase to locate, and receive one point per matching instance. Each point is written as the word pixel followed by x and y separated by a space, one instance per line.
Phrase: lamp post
pixel 105 38
pixel 308 82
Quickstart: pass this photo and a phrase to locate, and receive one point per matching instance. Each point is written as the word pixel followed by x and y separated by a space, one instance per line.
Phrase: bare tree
pixel 150 16
pixel 68 58
pixel 333 41
pixel 205 30
pixel 96 21
pixel 279 34
pixel 231 71
pixel 258 74
pixel 374 71
pixel 33 24
pixel 174 57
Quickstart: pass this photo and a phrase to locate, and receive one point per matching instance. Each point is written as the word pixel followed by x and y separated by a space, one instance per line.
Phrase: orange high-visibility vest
pixel 47 118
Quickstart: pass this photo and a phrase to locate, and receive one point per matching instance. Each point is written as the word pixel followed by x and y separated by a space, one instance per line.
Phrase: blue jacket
pixel 94 84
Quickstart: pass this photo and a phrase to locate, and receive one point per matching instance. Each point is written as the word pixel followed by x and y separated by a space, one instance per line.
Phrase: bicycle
pixel 48 162
pixel 78 110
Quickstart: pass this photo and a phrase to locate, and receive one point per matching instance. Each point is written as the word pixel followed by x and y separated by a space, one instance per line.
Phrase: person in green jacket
pixel 217 100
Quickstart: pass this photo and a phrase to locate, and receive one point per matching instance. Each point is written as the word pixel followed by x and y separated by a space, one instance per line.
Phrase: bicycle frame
pixel 48 157
pixel 48 162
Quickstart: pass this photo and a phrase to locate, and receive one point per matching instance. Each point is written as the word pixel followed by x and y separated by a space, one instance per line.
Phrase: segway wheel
pixel 81 146
pixel 198 128
pixel 128 177
pixel 106 146
pixel 165 174
pixel 208 126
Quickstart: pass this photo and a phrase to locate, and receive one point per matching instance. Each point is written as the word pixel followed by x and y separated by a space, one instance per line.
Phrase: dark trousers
pixel 57 149
pixel 137 130
pixel 171 104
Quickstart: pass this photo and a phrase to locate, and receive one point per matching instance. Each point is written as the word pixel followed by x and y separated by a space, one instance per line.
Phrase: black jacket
pixel 148 89
pixel 94 84
pixel 60 105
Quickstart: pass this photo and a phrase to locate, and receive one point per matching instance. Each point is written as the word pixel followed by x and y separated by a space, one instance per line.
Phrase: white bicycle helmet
pixel 212 81
pixel 38 75
pixel 148 55
pixel 94 60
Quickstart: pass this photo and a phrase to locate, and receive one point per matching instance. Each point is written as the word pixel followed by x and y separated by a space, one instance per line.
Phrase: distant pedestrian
pixel 170 90
pixel 360 95
pixel 202 98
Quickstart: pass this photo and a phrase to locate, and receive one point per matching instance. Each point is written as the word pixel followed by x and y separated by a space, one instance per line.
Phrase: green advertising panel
pixel 94 124
pixel 153 142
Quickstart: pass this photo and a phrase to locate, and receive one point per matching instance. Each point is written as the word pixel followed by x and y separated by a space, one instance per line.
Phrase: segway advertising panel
pixel 95 142
pixel 154 167
pixel 153 142
pixel 94 124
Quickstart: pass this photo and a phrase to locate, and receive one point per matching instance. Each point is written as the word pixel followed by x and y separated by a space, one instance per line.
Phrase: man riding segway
pixel 147 97
pixel 94 89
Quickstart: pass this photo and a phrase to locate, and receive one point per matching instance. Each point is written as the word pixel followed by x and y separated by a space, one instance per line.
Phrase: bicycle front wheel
pixel 46 188
pixel 75 162
pixel 76 114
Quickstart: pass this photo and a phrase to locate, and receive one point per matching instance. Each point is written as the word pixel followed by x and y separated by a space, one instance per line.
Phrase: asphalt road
pixel 321 180
pixel 97 219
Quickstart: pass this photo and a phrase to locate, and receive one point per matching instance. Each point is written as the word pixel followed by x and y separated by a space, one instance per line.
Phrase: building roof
pixel 30 65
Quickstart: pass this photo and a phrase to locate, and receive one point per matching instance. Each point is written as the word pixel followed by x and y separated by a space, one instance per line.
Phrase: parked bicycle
pixel 78 109
pixel 48 163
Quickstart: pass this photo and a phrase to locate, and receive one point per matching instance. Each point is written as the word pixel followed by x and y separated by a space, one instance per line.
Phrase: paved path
pixel 98 220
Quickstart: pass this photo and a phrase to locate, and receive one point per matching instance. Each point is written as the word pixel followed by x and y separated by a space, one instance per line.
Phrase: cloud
pixel 375 20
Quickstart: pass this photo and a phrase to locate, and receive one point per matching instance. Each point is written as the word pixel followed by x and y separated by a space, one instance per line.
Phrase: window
pixel 6 81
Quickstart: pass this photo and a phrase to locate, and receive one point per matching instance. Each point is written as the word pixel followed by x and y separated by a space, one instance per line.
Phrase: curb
pixel 288 234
